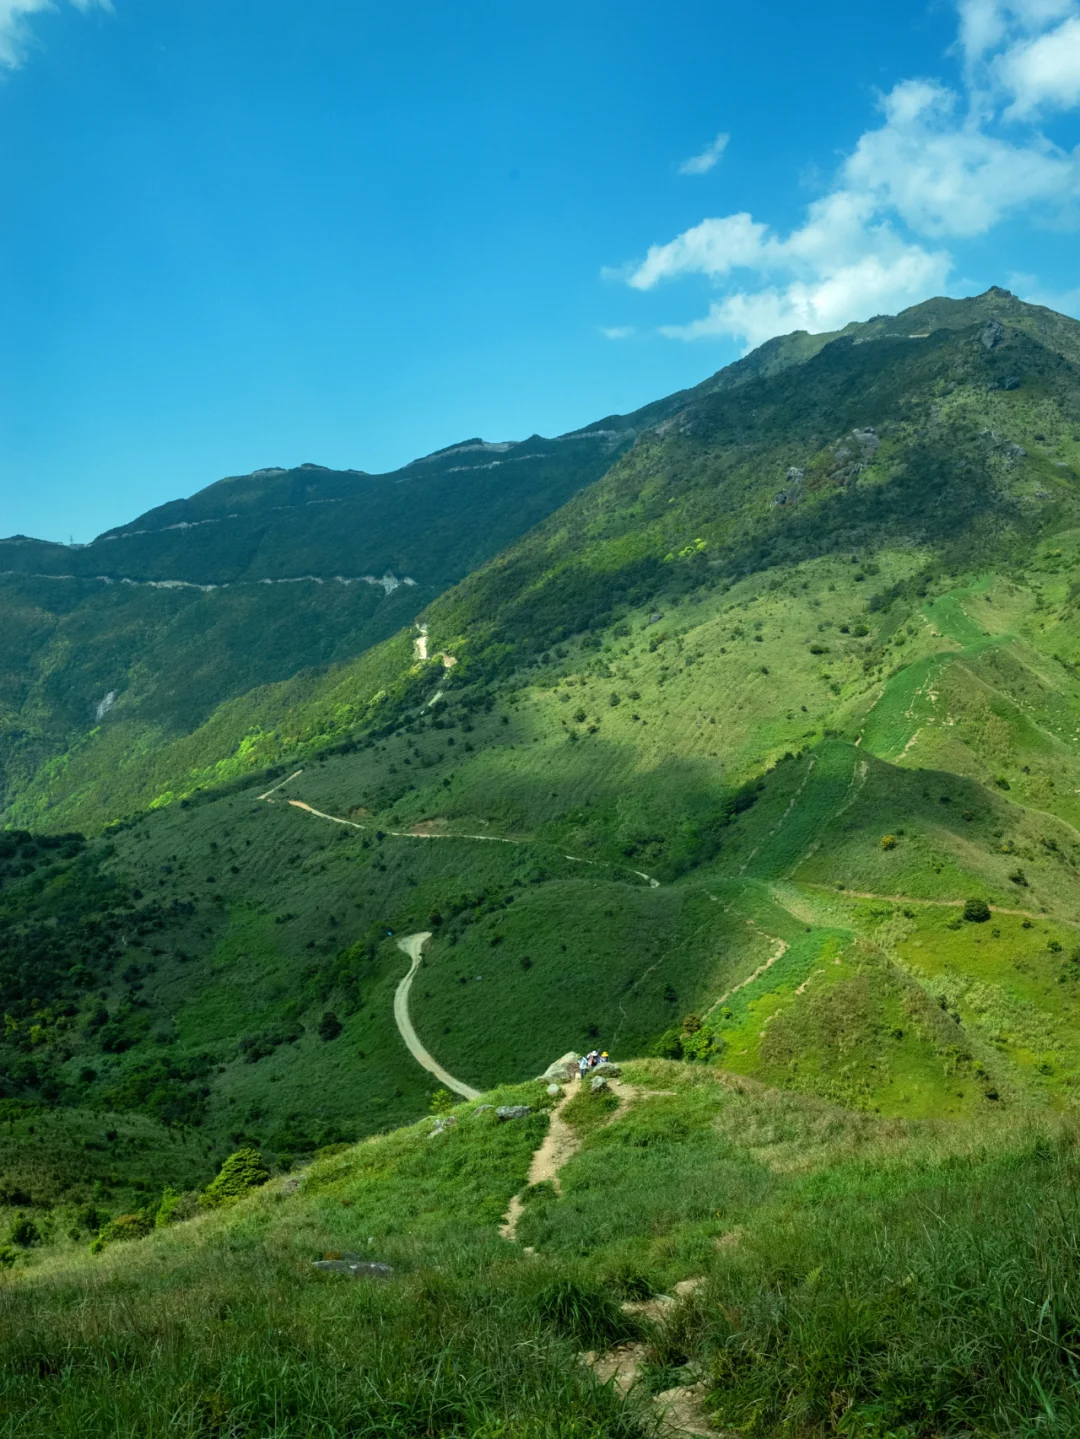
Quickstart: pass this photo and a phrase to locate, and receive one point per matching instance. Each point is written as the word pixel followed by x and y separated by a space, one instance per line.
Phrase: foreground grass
pixel 862 1276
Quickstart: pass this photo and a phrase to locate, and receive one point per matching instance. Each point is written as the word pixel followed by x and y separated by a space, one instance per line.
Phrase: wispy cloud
pixel 16 36
pixel 618 332
pixel 1030 288
pixel 703 163
pixel 942 165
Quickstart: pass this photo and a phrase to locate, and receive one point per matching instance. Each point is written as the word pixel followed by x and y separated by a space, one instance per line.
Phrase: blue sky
pixel 239 233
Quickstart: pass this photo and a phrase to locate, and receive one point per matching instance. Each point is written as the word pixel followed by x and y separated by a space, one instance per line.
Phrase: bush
pixel 126 1226
pixel 329 1026
pixel 239 1175
pixel 976 911
pixel 24 1232
pixel 175 1207
pixel 888 841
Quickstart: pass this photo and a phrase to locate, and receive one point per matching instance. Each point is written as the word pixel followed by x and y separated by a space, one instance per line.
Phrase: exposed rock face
pixel 993 332
pixel 607 1071
pixel 867 441
pixel 512 1111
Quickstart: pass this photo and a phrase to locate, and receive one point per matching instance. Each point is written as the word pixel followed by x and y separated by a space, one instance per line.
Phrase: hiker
pixel 582 1065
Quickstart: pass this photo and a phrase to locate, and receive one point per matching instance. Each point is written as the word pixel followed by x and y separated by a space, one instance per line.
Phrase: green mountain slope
pixel 760 754
pixel 112 652
pixel 125 644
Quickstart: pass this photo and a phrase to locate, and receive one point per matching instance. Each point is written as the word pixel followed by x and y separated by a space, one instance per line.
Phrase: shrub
pixel 239 1175
pixel 888 841
pixel 175 1207
pixel 329 1026
pixel 24 1232
pixel 126 1226
pixel 442 1101
pixel 977 911
pixel 1019 877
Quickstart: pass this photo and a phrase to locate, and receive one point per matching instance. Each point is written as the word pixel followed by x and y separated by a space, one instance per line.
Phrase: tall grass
pixel 267 1351
pixel 951 1308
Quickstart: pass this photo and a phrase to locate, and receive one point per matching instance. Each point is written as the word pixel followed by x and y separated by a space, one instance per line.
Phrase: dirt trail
pixel 413 945
pixel 780 948
pixel 420 644
pixel 784 817
pixel 281 783
pixel 854 789
pixel 561 1143
pixel 938 903
pixel 418 832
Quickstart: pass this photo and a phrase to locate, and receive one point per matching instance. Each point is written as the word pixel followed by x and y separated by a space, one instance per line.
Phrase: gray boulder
pixel 599 1085
pixel 607 1071
pixel 563 1070
pixel 512 1111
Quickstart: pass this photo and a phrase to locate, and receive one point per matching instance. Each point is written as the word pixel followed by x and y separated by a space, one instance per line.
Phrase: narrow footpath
pixel 413 946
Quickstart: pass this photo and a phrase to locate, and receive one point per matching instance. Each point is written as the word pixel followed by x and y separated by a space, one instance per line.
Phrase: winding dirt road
pixel 413 946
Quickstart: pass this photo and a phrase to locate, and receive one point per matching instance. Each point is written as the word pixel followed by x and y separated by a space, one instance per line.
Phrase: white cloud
pixel 15 34
pixel 618 332
pixel 945 176
pixel 942 165
pixel 1044 72
pixel 987 25
pixel 712 248
pixel 703 163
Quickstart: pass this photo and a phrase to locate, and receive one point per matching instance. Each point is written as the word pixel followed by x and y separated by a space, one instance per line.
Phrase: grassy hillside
pixel 823 1273
pixel 760 757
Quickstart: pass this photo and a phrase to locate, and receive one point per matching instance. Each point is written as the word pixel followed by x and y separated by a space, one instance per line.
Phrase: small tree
pixel 25 1232
pixel 329 1025
pixel 977 911
pixel 241 1173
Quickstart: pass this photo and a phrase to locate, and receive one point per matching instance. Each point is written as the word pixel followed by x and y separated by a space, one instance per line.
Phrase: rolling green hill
pixel 118 647
pixel 759 756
